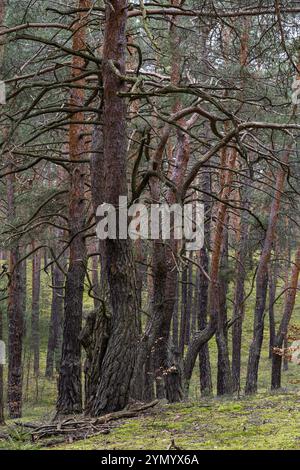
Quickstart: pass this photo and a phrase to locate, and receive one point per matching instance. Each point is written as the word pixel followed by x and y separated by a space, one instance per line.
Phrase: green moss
pixel 251 423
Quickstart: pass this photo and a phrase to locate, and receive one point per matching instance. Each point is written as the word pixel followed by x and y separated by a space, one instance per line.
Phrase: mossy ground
pixel 266 421
pixel 262 422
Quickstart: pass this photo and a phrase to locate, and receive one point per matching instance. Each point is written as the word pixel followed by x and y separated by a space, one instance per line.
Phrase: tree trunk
pixel 120 354
pixel 272 297
pixel 15 316
pixel 175 323
pixel 283 328
pixel 183 317
pixel 15 337
pixel 69 385
pixel 95 277
pixel 224 378
pixel 189 305
pixel 206 386
pixel 262 282
pixel 35 311
pixel 96 331
pixel 1 376
pixel 239 308
pixel 56 321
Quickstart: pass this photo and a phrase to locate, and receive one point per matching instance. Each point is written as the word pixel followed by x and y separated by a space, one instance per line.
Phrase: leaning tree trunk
pixel 165 280
pixel 262 282
pixel 120 354
pixel 69 384
pixel 224 379
pixel 287 313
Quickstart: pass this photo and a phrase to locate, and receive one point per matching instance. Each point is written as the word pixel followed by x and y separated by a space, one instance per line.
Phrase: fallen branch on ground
pixel 75 429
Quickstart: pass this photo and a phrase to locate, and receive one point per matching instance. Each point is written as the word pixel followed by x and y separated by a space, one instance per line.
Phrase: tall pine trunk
pixel 206 387
pixel 120 352
pixel 262 282
pixel 69 385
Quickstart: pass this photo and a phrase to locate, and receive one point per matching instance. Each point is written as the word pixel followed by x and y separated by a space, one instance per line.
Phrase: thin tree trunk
pixel 56 321
pixel 95 277
pixel 175 323
pixel 224 378
pixel 272 296
pixel 206 386
pixel 262 282
pixel 286 317
pixel 183 317
pixel 35 311
pixel 239 307
pixel 285 362
pixel 189 304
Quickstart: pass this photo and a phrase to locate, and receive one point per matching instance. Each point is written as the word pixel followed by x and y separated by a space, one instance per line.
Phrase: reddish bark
pixel 69 386
pixel 225 384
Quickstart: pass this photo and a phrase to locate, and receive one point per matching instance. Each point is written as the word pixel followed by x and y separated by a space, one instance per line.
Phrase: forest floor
pixel 261 422
pixel 265 421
